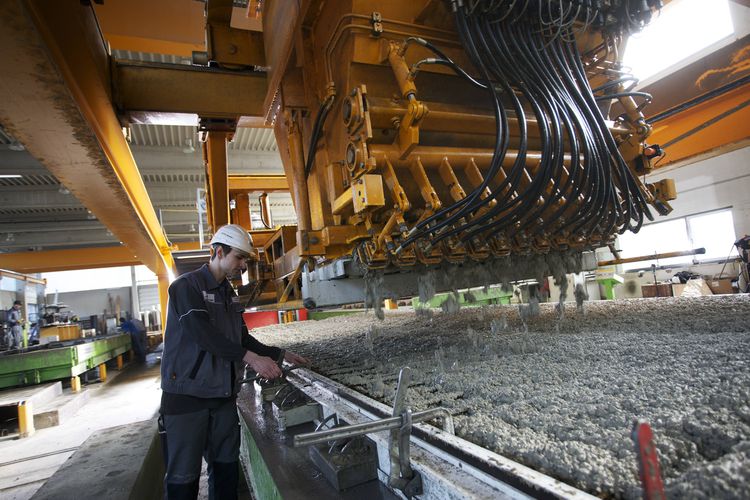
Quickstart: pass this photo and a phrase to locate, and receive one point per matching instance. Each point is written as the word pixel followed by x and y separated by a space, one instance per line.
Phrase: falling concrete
pixel 560 394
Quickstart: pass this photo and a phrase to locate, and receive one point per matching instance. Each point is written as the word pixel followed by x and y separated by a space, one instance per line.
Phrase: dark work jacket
pixel 205 337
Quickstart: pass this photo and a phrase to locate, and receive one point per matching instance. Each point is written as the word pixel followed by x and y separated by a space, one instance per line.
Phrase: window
pixel 684 28
pixel 713 231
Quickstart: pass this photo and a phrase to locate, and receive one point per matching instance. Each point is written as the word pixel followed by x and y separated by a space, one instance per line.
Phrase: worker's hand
pixel 263 365
pixel 295 359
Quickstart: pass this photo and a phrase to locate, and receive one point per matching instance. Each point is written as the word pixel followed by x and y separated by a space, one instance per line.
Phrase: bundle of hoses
pixel 582 188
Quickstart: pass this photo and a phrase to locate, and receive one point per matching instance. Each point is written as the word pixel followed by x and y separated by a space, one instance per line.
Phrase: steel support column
pixel 217 187
pixel 56 67
pixel 241 212
pixel 163 285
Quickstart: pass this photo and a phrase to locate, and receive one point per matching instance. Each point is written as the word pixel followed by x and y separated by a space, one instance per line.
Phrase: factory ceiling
pixel 44 212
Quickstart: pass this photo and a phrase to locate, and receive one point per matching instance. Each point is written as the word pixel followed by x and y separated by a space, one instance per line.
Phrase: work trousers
pixel 212 434
pixel 16 334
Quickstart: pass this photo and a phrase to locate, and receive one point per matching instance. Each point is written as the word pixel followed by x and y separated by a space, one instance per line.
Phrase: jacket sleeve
pixel 195 323
pixel 252 344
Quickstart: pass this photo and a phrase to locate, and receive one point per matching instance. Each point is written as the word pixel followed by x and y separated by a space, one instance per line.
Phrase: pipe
pixel 386 424
pixel 640 258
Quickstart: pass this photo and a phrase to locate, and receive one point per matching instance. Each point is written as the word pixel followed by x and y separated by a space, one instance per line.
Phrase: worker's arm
pixel 196 324
pixel 252 344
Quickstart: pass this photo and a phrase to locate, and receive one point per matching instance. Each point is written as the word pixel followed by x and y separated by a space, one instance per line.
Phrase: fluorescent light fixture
pixel 10 176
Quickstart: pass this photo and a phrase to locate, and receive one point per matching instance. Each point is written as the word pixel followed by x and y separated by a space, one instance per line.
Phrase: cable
pixel 320 120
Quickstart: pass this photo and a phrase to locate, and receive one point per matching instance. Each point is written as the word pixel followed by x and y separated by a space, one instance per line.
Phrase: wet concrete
pixel 558 390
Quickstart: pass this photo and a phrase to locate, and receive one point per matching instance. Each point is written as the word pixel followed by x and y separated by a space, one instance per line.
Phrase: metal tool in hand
pixel 284 373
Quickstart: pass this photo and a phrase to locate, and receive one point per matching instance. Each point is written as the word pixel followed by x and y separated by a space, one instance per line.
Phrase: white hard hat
pixel 236 237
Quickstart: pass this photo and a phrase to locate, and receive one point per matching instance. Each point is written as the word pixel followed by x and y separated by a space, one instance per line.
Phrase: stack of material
pixel 560 393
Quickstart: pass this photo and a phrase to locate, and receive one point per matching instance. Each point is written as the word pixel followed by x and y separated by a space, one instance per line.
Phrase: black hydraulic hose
pixel 501 138
pixel 448 61
pixel 616 95
pixel 627 175
pixel 320 120
pixel 519 164
pixel 614 83
pixel 546 171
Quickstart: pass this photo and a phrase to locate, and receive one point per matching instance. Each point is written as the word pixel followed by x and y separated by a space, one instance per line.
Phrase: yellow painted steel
pixel 25 419
pixel 119 362
pixel 188 89
pixel 230 47
pixel 264 183
pixel 18 276
pixel 163 27
pixel 705 130
pixel 75 384
pixel 68 260
pixel 70 33
pixel 103 372
pixel 217 190
pixel 163 285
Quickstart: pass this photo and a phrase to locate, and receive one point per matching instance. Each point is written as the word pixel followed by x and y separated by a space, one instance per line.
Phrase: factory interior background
pixel 483 314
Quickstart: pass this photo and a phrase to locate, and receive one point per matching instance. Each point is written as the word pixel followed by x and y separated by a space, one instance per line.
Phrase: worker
pixel 204 342
pixel 15 325
pixel 137 331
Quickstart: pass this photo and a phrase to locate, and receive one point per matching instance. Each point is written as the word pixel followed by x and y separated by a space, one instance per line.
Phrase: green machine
pixel 70 359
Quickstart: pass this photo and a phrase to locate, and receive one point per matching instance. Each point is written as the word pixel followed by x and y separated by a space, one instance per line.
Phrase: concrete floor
pixel 128 396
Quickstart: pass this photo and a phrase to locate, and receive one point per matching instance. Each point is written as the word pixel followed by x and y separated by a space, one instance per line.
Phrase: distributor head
pixel 16 304
pixel 231 248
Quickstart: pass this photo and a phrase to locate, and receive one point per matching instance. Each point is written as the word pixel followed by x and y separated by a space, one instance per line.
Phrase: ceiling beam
pixel 173 88
pixel 68 260
pixel 707 129
pixel 163 27
pixel 56 67
pixel 261 183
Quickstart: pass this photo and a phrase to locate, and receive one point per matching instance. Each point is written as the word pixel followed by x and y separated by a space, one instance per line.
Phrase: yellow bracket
pixel 397 191
pixel 425 187
pixel 408 130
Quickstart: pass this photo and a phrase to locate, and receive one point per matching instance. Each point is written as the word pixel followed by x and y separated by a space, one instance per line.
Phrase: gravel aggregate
pixel 560 392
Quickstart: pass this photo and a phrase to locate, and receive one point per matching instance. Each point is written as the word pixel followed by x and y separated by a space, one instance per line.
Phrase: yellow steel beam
pixel 263 183
pixel 706 129
pixel 163 27
pixel 217 191
pixel 19 276
pixel 163 285
pixel 226 45
pixel 188 89
pixel 56 67
pixel 68 260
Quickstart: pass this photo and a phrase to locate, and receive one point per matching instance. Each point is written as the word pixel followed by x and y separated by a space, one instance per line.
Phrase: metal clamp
pixel 402 475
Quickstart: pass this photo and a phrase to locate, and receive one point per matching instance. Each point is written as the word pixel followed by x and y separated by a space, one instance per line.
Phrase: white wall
pixel 719 182
pixel 88 302
pixel 712 184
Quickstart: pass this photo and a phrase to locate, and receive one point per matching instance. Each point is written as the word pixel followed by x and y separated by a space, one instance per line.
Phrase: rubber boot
pixel 182 491
pixel 223 480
